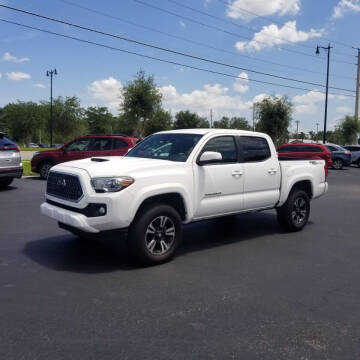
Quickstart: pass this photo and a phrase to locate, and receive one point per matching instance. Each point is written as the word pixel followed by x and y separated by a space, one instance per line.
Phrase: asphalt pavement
pixel 240 288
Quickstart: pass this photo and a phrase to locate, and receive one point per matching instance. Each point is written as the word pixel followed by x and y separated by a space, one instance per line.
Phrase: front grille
pixel 64 186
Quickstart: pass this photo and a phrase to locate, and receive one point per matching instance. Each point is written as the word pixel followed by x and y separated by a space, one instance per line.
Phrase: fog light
pixel 102 210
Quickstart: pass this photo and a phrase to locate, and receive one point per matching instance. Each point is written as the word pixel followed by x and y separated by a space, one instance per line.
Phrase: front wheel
pixel 294 214
pixel 338 164
pixel 45 169
pixel 155 234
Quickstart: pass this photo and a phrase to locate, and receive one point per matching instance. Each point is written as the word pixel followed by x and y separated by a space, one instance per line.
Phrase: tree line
pixel 141 113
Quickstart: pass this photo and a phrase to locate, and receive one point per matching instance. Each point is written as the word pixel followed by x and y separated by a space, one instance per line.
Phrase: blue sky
pixel 280 33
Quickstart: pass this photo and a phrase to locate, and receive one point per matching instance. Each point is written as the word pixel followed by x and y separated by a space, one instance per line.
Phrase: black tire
pixel 157 219
pixel 338 164
pixel 4 183
pixel 44 169
pixel 294 214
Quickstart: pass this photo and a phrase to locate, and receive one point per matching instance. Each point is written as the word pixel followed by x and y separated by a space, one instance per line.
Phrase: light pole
pixel 51 73
pixel 317 132
pixel 327 84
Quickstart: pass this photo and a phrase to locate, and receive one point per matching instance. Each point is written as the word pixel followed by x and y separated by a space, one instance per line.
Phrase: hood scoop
pixel 99 159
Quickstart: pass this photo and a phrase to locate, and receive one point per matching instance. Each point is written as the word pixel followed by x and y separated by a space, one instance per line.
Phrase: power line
pixel 281 23
pixel 236 35
pixel 165 60
pixel 192 41
pixel 168 50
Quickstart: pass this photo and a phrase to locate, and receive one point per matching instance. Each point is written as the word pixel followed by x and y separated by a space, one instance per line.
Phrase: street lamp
pixel 51 73
pixel 317 52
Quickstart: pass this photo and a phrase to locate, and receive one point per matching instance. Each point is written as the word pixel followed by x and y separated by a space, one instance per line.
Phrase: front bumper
pixel 11 172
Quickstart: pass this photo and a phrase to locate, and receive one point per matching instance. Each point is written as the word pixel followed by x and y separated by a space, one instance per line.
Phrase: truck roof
pixel 208 130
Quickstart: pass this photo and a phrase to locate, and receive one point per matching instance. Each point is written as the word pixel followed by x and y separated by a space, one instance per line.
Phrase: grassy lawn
pixel 35 149
pixel 27 168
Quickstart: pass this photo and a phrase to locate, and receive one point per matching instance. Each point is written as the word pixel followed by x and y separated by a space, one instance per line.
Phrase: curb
pixel 30 176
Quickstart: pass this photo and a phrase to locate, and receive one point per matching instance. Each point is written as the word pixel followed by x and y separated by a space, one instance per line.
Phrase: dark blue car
pixel 340 156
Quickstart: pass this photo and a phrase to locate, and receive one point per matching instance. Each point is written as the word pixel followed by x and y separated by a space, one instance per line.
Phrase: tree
pixel 68 119
pixel 239 123
pixel 350 128
pixel 24 121
pixel 274 118
pixel 99 120
pixel 189 120
pixel 223 123
pixel 141 100
pixel 160 121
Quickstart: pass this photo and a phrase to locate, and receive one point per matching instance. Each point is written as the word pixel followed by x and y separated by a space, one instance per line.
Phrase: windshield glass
pixel 171 146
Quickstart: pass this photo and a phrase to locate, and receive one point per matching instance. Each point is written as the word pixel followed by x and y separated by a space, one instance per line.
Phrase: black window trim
pixel 240 147
pixel 221 162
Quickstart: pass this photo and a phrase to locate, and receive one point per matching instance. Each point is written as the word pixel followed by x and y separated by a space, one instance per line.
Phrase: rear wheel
pixel 44 169
pixel 338 164
pixel 5 182
pixel 155 234
pixel 294 214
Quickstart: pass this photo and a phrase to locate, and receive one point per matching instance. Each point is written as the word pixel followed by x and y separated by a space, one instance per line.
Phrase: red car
pixel 305 151
pixel 81 148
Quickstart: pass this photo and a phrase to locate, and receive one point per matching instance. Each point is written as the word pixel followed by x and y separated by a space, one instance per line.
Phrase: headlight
pixel 111 184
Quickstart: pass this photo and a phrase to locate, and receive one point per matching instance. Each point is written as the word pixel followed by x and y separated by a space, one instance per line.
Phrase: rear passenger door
pixel 261 173
pixel 101 146
pixel 120 147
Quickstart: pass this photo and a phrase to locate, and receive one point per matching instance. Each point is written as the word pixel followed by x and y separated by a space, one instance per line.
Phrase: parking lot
pixel 240 288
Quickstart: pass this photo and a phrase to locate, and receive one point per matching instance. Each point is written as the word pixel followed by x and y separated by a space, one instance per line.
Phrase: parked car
pixel 305 151
pixel 33 145
pixel 176 177
pixel 80 148
pixel 10 161
pixel 340 156
pixel 355 153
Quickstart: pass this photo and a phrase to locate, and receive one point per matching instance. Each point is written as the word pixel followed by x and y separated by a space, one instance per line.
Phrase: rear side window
pixel 286 149
pixel 312 149
pixel 101 144
pixel 120 144
pixel 225 145
pixel 254 148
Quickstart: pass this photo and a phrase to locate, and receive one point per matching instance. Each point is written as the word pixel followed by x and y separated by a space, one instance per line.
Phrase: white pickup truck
pixel 176 177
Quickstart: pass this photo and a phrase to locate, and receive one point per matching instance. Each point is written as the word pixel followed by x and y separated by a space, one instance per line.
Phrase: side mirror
pixel 209 157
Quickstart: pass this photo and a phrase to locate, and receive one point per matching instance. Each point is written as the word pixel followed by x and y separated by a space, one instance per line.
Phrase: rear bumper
pixel 13 172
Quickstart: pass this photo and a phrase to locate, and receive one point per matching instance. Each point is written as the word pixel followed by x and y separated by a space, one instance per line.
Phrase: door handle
pixel 237 173
pixel 272 171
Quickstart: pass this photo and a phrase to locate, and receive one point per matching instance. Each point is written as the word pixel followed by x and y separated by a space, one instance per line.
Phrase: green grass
pixel 27 168
pixel 35 149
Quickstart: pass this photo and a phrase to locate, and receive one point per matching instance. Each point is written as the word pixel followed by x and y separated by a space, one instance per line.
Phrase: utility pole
pixel 211 122
pixel 327 84
pixel 51 73
pixel 253 108
pixel 317 132
pixel 357 87
pixel 297 129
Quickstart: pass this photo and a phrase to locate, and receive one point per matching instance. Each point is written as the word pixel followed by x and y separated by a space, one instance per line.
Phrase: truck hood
pixel 106 166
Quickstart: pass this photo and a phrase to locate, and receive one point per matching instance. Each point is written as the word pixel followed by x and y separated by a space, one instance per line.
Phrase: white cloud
pixel 201 101
pixel 272 35
pixel 108 91
pixel 12 58
pixel 255 8
pixel 182 24
pixel 240 84
pixel 40 86
pixel 308 103
pixel 344 109
pixel 345 6
pixel 17 76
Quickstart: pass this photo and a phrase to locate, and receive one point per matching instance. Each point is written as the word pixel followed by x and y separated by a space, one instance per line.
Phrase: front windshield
pixel 168 146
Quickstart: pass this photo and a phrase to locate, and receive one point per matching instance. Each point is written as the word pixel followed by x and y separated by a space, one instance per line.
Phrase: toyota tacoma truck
pixel 176 177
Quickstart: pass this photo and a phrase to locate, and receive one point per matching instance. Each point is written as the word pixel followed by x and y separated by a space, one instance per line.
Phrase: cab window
pixel 225 145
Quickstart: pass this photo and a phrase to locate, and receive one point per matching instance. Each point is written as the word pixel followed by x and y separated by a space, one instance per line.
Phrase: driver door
pixel 78 149
pixel 219 186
